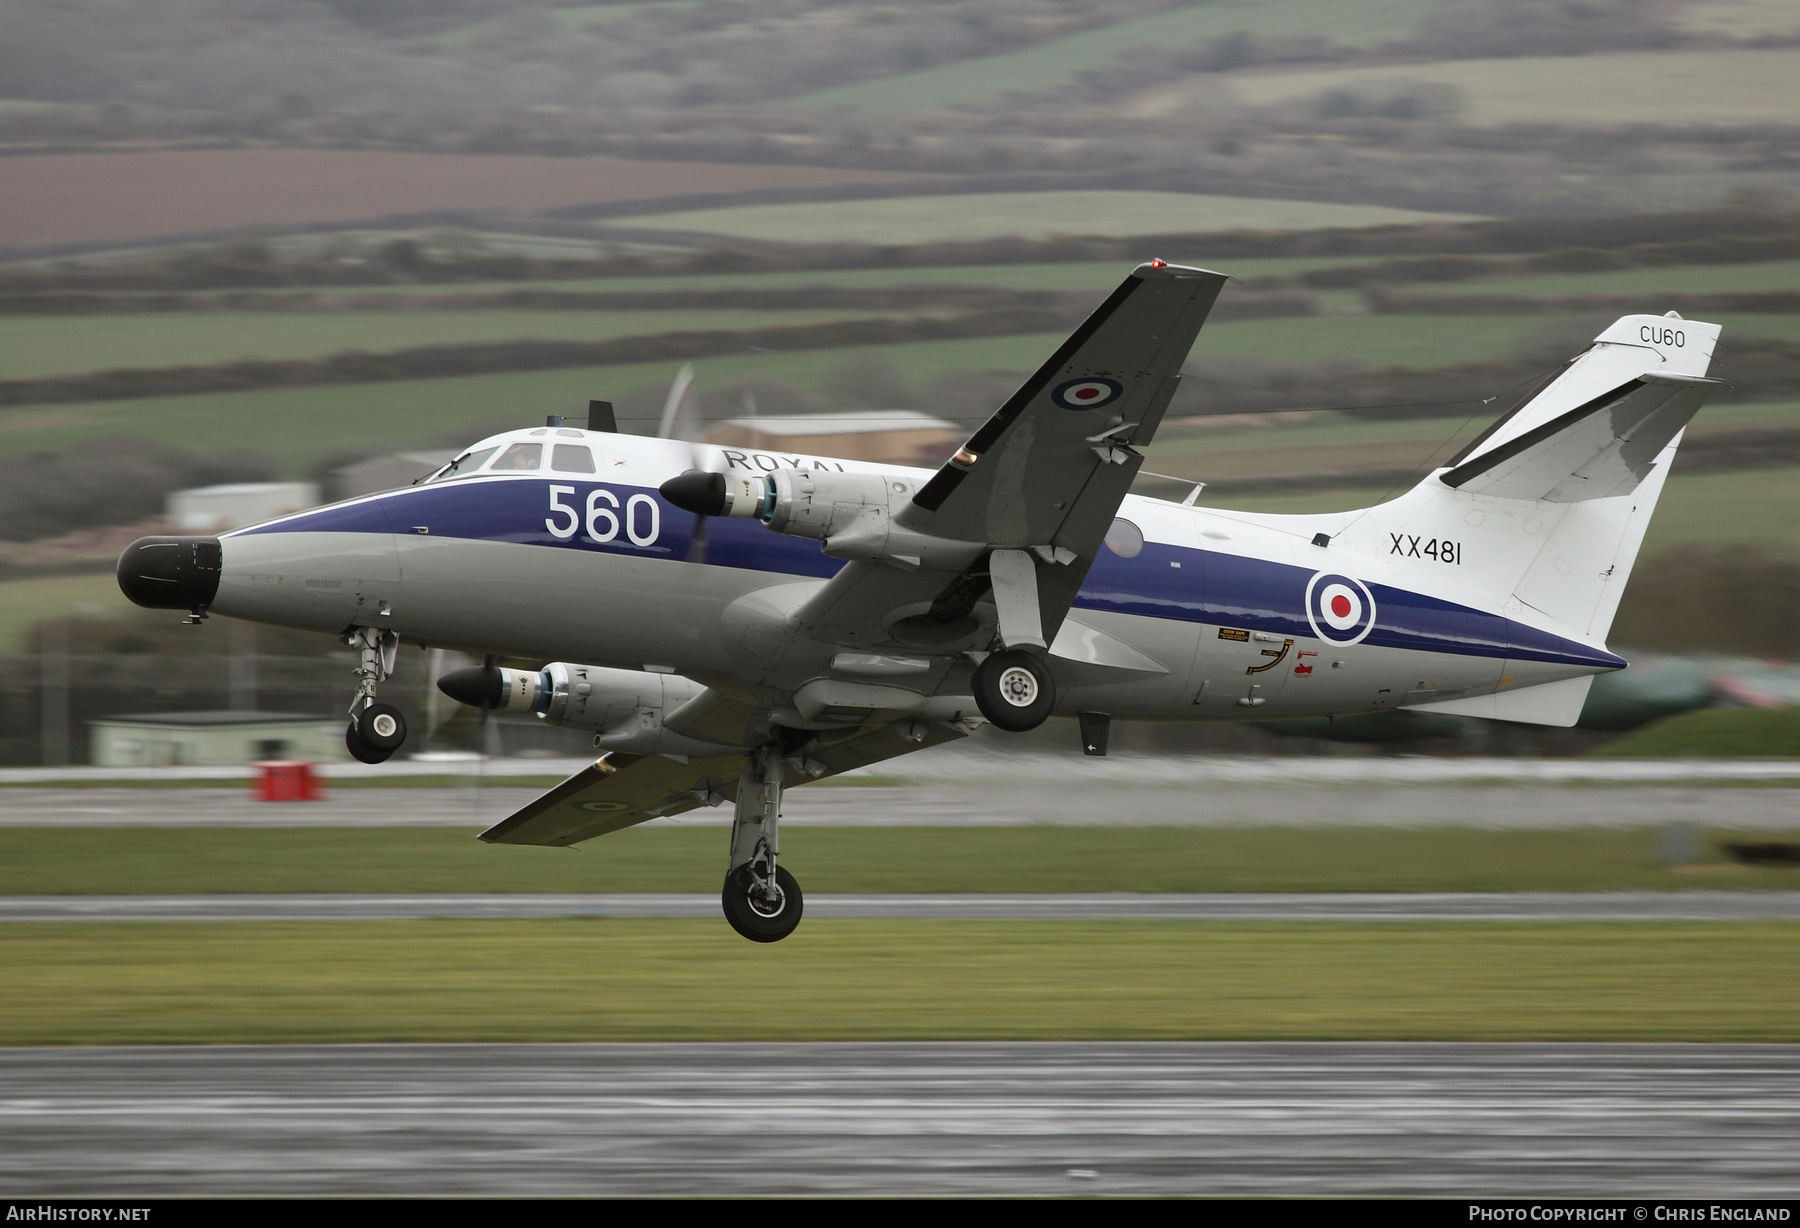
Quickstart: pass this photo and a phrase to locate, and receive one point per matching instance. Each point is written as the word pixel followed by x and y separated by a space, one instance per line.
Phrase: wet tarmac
pixel 1520 1120
pixel 977 803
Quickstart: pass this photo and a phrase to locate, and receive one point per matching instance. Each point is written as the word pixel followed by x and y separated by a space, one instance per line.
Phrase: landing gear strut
pixel 376 730
pixel 762 901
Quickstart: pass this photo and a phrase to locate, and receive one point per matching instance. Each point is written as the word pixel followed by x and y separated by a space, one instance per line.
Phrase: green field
pixel 1679 278
pixel 1742 86
pixel 263 983
pixel 1096 275
pixel 1742 18
pixel 296 424
pixel 1713 733
pixel 215 860
pixel 1754 507
pixel 24 602
pixel 927 219
pixel 38 346
pixel 1355 23
pixel 1373 341
pixel 1277 446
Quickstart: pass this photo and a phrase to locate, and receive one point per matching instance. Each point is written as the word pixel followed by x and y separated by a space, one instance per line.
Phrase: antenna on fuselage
pixel 602 418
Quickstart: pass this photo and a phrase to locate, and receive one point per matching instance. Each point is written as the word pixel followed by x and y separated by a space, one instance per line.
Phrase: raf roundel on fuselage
pixel 1340 609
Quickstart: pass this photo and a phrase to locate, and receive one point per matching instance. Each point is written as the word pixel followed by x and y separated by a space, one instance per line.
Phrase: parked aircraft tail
pixel 1541 517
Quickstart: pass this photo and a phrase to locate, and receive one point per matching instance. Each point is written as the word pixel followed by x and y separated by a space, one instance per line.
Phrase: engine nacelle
pixel 851 514
pixel 625 707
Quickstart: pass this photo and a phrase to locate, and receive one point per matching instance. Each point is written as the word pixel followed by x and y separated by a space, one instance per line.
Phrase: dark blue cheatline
pixel 1164 581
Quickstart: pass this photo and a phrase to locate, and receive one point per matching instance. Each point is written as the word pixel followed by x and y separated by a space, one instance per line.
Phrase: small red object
pixel 1159 264
pixel 284 780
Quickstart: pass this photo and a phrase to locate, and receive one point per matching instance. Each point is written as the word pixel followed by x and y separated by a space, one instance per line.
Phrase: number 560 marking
pixel 603 520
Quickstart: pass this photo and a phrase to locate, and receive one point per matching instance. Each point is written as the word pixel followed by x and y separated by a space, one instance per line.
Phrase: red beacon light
pixel 1159 264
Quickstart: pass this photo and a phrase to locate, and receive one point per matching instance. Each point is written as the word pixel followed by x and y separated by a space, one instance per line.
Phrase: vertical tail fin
pixel 1546 511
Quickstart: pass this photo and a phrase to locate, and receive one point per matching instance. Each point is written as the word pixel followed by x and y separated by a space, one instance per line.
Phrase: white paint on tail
pixel 1557 563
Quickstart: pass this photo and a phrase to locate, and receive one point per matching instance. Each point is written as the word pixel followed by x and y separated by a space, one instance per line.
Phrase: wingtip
pixel 1162 268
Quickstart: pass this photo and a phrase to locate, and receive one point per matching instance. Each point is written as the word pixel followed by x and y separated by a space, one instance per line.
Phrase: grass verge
pixel 103 983
pixel 131 861
pixel 1713 733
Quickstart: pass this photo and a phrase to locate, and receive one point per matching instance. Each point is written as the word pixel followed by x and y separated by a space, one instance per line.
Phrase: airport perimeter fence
pixel 47 700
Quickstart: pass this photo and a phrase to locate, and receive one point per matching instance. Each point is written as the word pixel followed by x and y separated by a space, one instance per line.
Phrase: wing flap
pixel 622 790
pixel 619 791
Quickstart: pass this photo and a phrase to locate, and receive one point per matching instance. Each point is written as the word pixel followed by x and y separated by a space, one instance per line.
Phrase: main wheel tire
pixel 1014 689
pixel 359 748
pixel 382 727
pixel 755 918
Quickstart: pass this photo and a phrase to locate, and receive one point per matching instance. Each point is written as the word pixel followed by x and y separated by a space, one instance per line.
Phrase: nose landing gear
pixel 376 730
pixel 761 899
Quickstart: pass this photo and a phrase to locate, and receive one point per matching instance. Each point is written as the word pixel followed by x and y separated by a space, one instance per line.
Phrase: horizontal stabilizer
pixel 1554 703
pixel 1598 450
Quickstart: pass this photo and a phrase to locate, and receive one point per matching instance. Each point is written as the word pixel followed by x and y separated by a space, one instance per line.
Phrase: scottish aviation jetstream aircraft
pixel 729 621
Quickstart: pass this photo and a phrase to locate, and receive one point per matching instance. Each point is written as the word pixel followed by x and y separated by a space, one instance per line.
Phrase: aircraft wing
pixel 1052 465
pixel 1047 472
pixel 621 790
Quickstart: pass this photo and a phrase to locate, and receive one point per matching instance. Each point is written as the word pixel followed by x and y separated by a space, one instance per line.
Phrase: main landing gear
pixel 376 730
pixel 762 901
pixel 1014 689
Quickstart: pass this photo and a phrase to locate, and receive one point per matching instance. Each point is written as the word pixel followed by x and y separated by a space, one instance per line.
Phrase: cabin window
pixel 572 458
pixel 519 457
pixel 1125 539
pixel 463 465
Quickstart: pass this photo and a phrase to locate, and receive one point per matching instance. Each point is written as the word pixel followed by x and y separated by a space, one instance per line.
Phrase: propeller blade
pixel 484 736
pixel 684 380
pixel 697 543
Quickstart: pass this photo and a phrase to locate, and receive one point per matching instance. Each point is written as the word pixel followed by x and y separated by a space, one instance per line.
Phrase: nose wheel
pixel 375 733
pixel 376 730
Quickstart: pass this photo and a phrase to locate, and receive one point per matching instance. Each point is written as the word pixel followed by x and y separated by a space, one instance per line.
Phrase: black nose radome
pixel 171 573
pixel 700 493
pixel 478 686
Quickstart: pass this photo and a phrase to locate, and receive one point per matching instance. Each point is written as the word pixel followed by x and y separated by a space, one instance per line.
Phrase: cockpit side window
pixel 463 465
pixel 521 456
pixel 571 458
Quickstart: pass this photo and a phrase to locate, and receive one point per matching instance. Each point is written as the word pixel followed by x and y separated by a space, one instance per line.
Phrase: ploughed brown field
pixel 103 198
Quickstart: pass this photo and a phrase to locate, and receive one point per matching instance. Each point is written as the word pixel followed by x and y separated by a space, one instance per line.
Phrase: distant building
pixel 397 469
pixel 214 509
pixel 214 739
pixel 899 435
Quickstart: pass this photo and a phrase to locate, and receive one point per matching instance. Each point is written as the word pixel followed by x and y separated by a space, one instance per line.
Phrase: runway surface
pixel 1527 1120
pixel 975 802
pixel 1114 906
pixel 981 759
